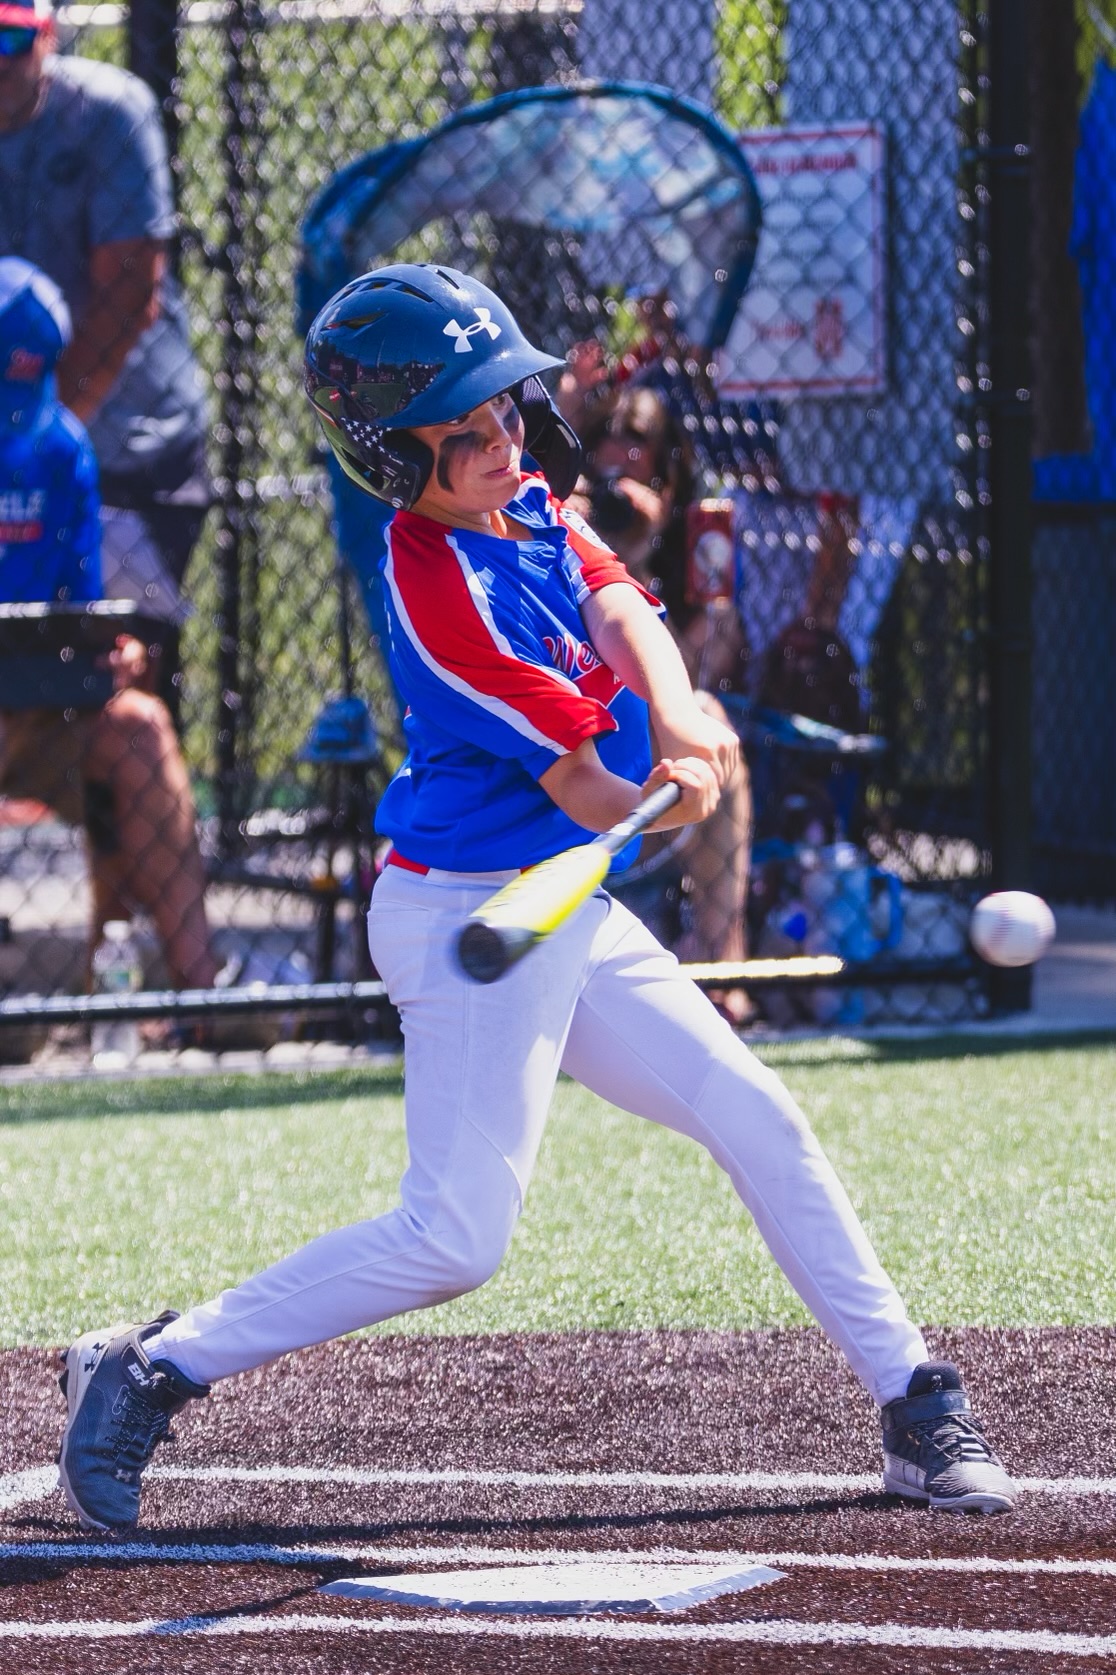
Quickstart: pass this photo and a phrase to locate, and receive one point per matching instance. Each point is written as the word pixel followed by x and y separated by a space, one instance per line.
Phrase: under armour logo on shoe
pixel 483 323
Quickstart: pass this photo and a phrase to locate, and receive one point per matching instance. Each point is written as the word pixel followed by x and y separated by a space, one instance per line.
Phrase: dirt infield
pixel 383 1455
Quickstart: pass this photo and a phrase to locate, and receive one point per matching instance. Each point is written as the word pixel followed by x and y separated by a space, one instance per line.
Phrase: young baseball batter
pixel 545 696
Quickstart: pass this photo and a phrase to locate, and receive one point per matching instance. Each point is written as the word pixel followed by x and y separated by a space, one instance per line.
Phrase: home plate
pixel 560 1589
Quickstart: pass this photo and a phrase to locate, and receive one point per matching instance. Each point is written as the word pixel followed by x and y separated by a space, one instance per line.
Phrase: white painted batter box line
pixel 779 1632
pixel 23 1487
pixel 750 1480
pixel 147 1552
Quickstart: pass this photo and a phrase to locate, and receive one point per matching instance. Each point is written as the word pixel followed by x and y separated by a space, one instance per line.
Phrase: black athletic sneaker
pixel 935 1451
pixel 120 1406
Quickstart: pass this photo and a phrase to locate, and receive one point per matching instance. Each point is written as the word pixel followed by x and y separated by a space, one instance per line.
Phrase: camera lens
pixel 613 512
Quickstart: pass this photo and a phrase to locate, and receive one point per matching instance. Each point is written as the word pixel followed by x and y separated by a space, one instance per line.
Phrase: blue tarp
pixel 1092 476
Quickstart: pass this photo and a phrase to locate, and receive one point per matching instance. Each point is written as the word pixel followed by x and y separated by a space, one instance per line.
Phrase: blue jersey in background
pixel 49 511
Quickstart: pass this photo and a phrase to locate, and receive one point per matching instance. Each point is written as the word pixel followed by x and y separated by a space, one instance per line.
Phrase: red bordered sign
pixel 813 319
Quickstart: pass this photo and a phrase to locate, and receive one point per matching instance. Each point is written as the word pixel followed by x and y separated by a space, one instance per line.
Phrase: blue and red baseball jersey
pixel 50 533
pixel 489 652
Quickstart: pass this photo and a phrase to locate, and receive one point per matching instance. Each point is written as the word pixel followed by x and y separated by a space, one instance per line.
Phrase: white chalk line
pixel 374 1478
pixel 764 1481
pixel 748 1481
pixel 20 1487
pixel 778 1632
pixel 17 1488
pixel 365 1553
pixel 23 1487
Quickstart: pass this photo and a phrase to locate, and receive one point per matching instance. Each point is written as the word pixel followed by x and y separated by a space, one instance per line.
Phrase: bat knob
pixel 484 953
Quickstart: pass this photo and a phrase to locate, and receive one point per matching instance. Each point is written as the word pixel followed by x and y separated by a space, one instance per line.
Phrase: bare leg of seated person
pixel 156 864
pixel 717 858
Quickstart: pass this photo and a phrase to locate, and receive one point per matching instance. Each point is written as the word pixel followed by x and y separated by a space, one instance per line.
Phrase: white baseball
pixel 1011 927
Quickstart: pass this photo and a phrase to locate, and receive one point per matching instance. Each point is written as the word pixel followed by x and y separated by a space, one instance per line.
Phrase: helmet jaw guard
pixel 548 437
pixel 408 345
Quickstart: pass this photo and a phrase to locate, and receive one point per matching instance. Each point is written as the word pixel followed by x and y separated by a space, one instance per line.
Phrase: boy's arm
pixel 632 639
pixel 596 798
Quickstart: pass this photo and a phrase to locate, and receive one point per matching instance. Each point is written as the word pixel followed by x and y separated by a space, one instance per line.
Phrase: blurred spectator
pixel 116 770
pixel 815 569
pixel 636 493
pixel 815 573
pixel 85 194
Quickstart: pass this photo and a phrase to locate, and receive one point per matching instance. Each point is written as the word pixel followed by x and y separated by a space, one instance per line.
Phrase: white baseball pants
pixel 602 1000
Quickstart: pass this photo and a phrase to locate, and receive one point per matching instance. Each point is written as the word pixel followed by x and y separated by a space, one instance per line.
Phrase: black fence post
pixel 153 56
pixel 1009 468
pixel 237 385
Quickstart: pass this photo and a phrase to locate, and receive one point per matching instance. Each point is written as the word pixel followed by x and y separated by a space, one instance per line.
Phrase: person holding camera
pixel 637 492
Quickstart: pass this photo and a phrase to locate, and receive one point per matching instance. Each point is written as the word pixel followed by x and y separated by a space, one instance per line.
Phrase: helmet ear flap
pixel 547 437
pixel 393 465
pixel 397 468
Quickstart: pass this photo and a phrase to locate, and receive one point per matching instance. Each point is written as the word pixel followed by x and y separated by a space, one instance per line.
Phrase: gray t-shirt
pixel 90 168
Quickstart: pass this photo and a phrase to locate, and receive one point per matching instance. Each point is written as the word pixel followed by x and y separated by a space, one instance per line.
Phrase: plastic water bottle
pixel 117 970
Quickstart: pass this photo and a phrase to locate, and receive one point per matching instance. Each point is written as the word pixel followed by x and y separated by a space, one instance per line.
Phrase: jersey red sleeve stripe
pixel 598 564
pixel 452 630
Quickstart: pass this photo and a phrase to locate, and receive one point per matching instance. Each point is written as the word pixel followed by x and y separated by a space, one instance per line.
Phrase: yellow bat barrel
pixel 509 924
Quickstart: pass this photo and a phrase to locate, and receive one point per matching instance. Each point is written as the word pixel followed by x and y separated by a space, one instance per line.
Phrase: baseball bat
pixel 509 924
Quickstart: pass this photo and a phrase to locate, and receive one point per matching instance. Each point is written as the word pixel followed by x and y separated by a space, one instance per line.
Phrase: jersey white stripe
pixel 484 611
pixel 484 700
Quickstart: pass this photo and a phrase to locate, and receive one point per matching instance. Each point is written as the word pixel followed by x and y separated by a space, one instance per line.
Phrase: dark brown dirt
pixel 639 1402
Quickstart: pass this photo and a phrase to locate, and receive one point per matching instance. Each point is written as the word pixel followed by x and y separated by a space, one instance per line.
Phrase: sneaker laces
pixel 140 1428
pixel 957 1436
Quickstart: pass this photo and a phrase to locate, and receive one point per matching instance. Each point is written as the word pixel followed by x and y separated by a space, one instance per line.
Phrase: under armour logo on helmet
pixel 483 323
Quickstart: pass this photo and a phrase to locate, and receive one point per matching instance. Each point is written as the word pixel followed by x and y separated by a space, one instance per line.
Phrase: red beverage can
pixel 710 552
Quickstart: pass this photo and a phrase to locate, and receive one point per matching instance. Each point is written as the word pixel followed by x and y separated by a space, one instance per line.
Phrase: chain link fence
pixel 794 444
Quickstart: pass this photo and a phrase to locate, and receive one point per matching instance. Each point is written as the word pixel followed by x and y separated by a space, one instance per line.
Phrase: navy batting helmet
pixel 416 344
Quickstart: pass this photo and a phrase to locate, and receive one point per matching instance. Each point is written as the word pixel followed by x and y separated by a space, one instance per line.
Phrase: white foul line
pixel 778 1632
pixel 267 1553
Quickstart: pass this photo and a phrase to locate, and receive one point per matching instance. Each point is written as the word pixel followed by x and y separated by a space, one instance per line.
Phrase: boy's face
pixel 476 463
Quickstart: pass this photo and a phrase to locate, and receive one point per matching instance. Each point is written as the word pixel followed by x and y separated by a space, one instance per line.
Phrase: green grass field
pixel 984 1173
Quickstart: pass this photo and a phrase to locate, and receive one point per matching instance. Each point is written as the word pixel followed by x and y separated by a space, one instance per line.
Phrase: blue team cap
pixel 34 330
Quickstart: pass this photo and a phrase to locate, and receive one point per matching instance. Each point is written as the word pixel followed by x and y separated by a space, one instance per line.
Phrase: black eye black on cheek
pixel 461 442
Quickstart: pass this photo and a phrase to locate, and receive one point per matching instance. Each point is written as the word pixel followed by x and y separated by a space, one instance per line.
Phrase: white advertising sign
pixel 813 317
